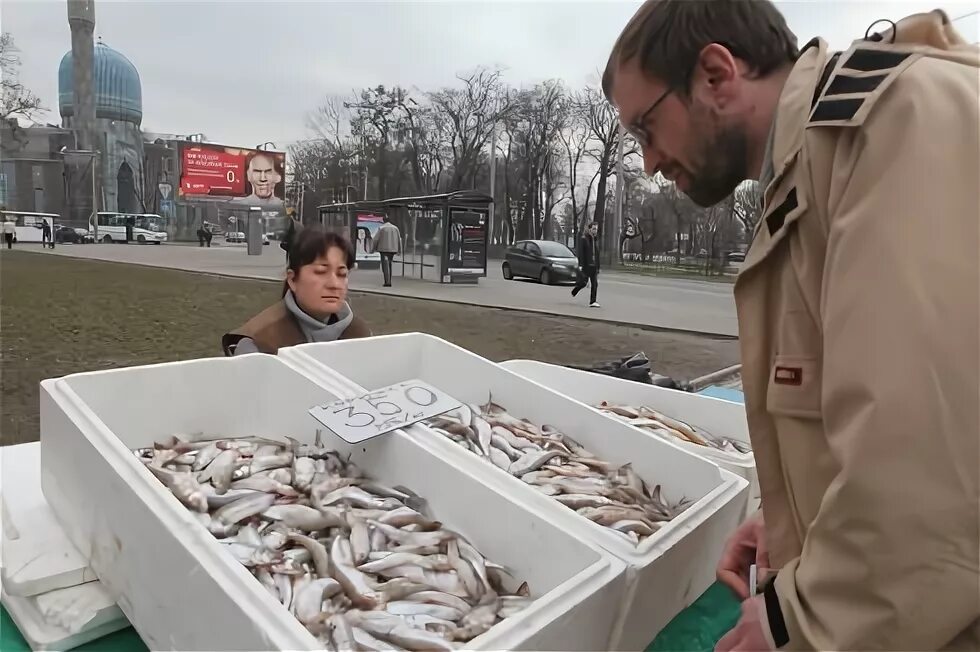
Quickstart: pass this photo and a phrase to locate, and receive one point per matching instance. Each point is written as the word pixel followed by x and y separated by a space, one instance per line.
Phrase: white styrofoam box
pixel 719 417
pixel 182 591
pixel 64 618
pixel 668 570
pixel 36 555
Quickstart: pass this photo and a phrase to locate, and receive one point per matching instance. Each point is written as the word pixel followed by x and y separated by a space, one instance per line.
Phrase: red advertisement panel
pixel 255 176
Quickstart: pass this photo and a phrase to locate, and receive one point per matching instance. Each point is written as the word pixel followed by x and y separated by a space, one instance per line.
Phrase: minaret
pixel 81 19
pixel 83 170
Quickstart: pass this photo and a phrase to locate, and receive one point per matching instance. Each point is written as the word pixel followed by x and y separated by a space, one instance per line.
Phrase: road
pixel 665 303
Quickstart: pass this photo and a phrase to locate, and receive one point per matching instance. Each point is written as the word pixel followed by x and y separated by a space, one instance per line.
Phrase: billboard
pixel 249 177
pixel 467 243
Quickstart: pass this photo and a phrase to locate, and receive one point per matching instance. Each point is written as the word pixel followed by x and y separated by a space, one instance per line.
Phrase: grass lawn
pixel 61 315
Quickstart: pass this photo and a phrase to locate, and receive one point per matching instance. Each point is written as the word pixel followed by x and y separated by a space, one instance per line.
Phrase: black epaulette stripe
pixel 868 60
pixel 774 613
pixel 777 218
pixel 847 85
pixel 836 110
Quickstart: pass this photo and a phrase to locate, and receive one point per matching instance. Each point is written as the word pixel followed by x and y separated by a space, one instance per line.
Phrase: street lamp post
pixel 620 187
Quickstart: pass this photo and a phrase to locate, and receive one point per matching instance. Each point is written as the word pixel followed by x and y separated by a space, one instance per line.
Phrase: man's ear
pixel 715 76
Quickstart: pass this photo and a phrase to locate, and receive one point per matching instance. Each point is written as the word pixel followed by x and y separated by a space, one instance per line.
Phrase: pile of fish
pixel 666 427
pixel 558 466
pixel 359 564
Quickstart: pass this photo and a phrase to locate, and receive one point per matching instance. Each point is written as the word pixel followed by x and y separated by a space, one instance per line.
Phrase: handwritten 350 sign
pixel 383 410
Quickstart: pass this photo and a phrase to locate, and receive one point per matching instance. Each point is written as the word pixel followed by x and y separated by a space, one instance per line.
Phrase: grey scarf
pixel 315 330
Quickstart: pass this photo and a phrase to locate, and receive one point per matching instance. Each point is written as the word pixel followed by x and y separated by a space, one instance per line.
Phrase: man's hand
pixel 751 632
pixel 745 547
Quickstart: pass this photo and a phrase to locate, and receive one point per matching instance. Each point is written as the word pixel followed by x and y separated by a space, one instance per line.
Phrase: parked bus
pixel 28 225
pixel 146 227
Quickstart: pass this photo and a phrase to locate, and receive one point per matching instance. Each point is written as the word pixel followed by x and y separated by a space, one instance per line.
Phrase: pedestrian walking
pixel 387 242
pixel 9 231
pixel 46 235
pixel 858 307
pixel 588 263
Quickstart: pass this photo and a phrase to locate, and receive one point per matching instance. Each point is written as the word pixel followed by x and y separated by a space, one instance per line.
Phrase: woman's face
pixel 321 286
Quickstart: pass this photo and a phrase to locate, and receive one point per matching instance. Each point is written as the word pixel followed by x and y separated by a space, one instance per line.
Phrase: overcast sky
pixel 247 72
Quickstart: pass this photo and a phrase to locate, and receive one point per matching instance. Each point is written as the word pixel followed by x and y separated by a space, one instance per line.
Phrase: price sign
pixel 357 419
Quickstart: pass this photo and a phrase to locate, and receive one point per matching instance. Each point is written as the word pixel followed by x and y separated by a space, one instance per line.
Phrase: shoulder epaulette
pixel 856 83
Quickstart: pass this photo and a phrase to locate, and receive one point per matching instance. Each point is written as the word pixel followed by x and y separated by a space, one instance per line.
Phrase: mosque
pixel 137 171
pixel 118 115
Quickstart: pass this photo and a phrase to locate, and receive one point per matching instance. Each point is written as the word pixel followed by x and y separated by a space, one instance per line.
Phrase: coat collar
pixel 783 202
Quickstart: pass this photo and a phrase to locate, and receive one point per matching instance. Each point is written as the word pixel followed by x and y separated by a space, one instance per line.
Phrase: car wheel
pixel 107 239
pixel 545 277
pixel 141 239
pixel 508 275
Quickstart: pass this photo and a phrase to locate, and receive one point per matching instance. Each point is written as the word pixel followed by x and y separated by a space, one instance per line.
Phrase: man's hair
pixel 666 37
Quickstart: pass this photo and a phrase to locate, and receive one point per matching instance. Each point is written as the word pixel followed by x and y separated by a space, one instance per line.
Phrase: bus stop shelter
pixel 444 237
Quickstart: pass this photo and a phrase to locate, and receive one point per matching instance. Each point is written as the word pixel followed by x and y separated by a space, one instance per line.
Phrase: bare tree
pixel 16 100
pixel 682 210
pixel 471 112
pixel 747 206
pixel 378 121
pixel 575 141
pixel 602 121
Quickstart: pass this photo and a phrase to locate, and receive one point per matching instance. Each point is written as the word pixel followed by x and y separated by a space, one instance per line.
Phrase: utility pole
pixel 617 229
pixel 493 179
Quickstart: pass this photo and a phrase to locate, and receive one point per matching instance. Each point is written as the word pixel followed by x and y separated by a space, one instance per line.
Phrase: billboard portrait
pixel 249 177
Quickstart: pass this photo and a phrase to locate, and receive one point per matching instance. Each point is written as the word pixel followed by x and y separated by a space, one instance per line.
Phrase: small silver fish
pixel 321 560
pixel 303 517
pixel 270 462
pixel 184 487
pixel 533 461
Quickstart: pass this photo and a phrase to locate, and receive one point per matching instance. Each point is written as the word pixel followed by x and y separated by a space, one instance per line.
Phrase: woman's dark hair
pixel 309 243
pixel 666 37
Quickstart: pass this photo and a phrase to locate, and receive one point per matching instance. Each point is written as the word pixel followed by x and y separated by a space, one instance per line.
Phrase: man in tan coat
pixel 858 307
pixel 387 242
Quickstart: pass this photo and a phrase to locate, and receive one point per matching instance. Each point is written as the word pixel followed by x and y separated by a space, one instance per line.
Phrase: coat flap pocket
pixel 794 386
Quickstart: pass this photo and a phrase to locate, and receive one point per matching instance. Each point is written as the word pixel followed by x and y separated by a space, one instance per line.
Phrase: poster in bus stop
pixel 247 177
pixel 467 242
pixel 367 226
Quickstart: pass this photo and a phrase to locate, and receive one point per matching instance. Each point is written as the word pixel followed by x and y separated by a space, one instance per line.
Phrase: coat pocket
pixel 794 387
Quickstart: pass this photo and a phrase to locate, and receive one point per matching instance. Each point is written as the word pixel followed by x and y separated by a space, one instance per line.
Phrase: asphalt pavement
pixel 666 303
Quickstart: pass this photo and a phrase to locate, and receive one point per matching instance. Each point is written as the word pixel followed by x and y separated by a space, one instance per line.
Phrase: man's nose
pixel 651 161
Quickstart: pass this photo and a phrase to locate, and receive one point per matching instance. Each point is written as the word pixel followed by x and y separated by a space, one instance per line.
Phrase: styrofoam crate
pixel 719 417
pixel 182 591
pixel 35 555
pixel 668 570
pixel 64 618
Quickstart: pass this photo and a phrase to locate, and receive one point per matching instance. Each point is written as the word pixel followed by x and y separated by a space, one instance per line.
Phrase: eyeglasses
pixel 638 127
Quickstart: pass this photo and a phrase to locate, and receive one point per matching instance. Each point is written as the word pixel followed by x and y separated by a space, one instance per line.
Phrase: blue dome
pixel 118 93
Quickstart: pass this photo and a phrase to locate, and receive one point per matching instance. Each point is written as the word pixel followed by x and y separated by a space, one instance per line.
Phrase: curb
pixel 509 308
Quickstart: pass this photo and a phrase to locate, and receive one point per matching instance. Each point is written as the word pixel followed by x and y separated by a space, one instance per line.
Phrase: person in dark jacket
pixel 287 242
pixel 314 304
pixel 588 262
